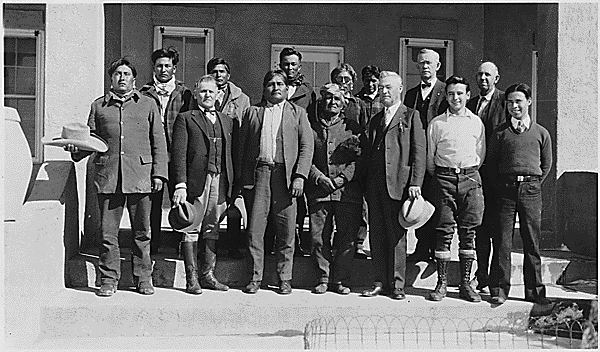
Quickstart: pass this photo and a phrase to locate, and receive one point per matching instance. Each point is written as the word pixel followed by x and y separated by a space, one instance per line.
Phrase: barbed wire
pixel 417 332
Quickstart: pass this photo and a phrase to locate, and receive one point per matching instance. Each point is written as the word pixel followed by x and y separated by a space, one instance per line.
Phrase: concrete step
pixel 169 272
pixel 79 313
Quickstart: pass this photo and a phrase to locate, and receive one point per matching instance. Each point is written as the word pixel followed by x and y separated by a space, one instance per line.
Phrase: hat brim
pixel 427 213
pixel 197 219
pixel 92 144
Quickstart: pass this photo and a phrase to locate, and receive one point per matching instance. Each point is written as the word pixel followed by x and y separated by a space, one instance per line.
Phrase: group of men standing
pixel 347 160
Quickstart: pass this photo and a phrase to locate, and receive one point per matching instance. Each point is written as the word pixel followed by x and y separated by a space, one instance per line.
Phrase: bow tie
pixel 425 85
pixel 213 111
pixel 162 92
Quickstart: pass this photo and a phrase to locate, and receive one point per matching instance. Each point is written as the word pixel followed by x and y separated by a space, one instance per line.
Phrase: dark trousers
pixel 361 234
pixel 525 199
pixel 347 220
pixel 111 212
pixel 270 199
pixel 459 202
pixel 156 218
pixel 484 233
pixel 426 235
pixel 386 236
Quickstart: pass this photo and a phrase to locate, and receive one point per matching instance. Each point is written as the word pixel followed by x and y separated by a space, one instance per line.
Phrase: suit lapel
pixel 397 119
pixel 196 116
pixel 436 93
pixel 493 105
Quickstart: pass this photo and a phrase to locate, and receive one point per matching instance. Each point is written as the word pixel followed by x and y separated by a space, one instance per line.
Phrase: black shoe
pixel 341 289
pixel 360 254
pixel 498 300
pixel 285 288
pixel 374 291
pixel 107 289
pixel 145 288
pixel 419 256
pixel 538 300
pixel 235 253
pixel 398 294
pixel 252 287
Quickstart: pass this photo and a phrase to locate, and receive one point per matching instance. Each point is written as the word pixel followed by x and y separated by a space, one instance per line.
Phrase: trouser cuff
pixel 466 253
pixel 443 255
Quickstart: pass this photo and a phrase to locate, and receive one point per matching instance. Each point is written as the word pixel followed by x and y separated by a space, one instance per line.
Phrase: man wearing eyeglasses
pixel 428 98
pixel 345 77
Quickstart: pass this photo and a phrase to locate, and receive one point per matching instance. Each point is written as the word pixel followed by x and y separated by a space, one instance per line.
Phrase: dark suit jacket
pixel 437 104
pixel 297 143
pixel 405 152
pixel 189 156
pixel 305 97
pixel 496 112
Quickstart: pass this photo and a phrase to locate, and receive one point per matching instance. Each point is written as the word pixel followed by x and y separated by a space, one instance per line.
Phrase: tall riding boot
pixel 465 290
pixel 442 283
pixel 208 267
pixel 189 251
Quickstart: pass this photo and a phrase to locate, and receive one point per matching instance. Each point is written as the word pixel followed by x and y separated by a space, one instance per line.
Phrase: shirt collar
pixel 280 105
pixel 394 108
pixel 467 112
pixel 433 82
pixel 526 121
pixel 170 85
pixel 111 95
pixel 488 97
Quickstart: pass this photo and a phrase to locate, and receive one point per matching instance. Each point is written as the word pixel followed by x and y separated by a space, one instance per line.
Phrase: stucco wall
pixel 73 76
pixel 577 123
pixel 243 33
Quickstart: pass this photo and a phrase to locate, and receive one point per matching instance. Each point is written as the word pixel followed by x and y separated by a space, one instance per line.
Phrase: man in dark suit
pixel 395 166
pixel 171 97
pixel 134 167
pixel 490 106
pixel 428 98
pixel 203 171
pixel 276 146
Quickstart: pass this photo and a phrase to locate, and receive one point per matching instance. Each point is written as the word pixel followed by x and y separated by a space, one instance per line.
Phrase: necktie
pixel 521 127
pixel 480 106
pixel 425 85
pixel 210 114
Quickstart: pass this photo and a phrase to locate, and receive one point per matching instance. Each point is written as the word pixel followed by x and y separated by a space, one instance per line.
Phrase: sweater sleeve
pixel 546 153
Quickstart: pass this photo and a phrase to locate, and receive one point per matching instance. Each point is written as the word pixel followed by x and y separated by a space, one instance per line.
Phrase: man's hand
pixel 157 184
pixel 326 184
pixel 414 192
pixel 71 148
pixel 179 197
pixel 297 187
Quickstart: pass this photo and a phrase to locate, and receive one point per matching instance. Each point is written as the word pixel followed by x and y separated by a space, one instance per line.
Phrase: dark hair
pixel 457 80
pixel 519 87
pixel 120 62
pixel 289 51
pixel 371 70
pixel 212 63
pixel 343 67
pixel 169 53
pixel 274 73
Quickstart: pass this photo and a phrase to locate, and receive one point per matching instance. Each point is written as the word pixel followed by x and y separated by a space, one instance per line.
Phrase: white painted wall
pixel 577 122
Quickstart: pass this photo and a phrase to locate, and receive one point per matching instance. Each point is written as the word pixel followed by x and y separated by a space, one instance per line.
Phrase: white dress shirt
pixel 271 136
pixel 526 122
pixel 425 91
pixel 455 141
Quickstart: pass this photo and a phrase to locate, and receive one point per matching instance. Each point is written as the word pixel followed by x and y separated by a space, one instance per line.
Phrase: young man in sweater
pixel 520 156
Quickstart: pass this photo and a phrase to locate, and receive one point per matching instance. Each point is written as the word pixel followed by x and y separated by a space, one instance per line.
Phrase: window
pixel 409 50
pixel 23 83
pixel 317 61
pixel 195 46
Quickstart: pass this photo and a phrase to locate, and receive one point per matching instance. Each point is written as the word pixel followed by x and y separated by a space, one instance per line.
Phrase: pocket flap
pixel 146 159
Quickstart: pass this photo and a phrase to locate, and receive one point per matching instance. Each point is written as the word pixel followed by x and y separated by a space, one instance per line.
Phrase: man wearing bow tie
pixel 394 169
pixel 171 97
pixel 276 147
pixel 429 99
pixel 232 102
pixel 490 106
pixel 203 175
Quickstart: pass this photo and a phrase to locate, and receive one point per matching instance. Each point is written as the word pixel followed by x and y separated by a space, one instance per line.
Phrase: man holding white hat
pixel 133 167
pixel 395 166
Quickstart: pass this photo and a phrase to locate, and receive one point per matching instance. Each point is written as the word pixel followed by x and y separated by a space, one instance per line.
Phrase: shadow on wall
pixel 56 181
pixel 577 203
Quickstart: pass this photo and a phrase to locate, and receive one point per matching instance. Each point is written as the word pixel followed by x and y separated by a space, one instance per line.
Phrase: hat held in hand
pixel 415 213
pixel 184 217
pixel 79 135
